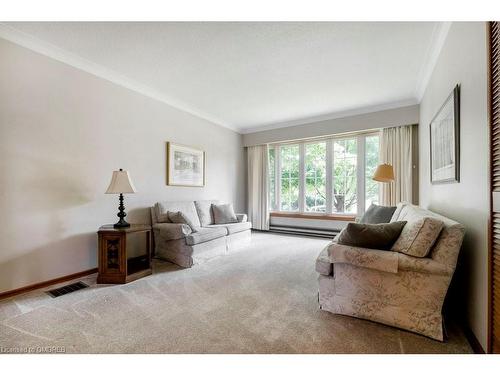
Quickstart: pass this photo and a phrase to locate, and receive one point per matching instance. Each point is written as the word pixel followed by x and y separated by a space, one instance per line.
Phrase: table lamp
pixel 121 184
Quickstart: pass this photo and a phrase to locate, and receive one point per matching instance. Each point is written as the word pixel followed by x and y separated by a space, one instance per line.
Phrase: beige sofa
pixel 391 287
pixel 178 244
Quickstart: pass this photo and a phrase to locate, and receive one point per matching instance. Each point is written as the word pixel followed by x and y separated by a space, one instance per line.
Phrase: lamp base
pixel 121 224
pixel 121 214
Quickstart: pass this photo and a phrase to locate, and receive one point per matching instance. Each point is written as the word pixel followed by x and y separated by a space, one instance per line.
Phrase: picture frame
pixel 445 141
pixel 185 165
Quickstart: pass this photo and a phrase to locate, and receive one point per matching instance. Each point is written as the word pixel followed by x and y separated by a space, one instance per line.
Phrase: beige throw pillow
pixel 417 237
pixel 179 218
pixel 224 214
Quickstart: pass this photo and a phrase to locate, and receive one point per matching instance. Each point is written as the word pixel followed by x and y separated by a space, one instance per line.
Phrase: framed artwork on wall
pixel 445 141
pixel 185 165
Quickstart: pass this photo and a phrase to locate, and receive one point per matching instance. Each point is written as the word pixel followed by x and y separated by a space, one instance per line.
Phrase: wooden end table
pixel 115 266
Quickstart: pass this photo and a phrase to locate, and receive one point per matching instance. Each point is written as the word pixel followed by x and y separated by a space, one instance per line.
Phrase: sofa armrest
pixel 380 260
pixel 423 265
pixel 172 231
pixel 242 218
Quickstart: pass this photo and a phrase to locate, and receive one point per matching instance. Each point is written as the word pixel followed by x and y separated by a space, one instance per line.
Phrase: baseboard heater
pixel 304 231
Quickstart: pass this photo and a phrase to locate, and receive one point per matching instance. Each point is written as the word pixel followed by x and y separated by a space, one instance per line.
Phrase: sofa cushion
pixel 180 218
pixel 186 207
pixel 376 214
pixel 204 211
pixel 224 214
pixel 397 216
pixel 371 236
pixel 418 236
pixel 233 227
pixel 447 245
pixel 205 235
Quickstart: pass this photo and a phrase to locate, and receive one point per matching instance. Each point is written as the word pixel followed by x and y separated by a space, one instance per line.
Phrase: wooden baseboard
pixel 473 341
pixel 43 284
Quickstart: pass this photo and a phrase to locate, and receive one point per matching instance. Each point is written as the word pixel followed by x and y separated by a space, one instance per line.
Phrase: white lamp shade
pixel 120 183
pixel 384 173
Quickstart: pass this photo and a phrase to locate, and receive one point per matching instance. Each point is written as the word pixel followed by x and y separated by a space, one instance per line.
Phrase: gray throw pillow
pixel 179 218
pixel 377 214
pixel 371 236
pixel 224 214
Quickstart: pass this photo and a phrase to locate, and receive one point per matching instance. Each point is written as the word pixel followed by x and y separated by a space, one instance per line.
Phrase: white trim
pixel 302 177
pixel 338 136
pixel 329 176
pixel 277 155
pixel 25 40
pixel 331 116
pixel 438 38
pixel 360 174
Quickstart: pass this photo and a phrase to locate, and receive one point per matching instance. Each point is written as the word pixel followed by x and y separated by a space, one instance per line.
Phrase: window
pixel 289 175
pixel 345 156
pixel 327 176
pixel 371 162
pixel 315 177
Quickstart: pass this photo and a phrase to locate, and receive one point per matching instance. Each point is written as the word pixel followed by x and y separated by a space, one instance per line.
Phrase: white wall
pixel 62 133
pixel 463 60
pixel 382 119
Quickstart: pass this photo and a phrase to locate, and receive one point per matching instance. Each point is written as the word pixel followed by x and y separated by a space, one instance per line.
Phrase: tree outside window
pixel 338 171
pixel 290 157
pixel 345 175
pixel 315 177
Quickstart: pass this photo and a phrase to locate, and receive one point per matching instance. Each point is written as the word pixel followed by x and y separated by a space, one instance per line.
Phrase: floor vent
pixel 66 289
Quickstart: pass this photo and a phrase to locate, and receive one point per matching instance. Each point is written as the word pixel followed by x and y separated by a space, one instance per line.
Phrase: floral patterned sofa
pixel 390 287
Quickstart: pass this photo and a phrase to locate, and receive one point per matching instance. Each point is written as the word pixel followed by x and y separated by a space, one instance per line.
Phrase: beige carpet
pixel 262 299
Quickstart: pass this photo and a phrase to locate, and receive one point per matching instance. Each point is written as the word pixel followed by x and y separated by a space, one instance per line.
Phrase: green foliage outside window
pixel 344 175
pixel 289 156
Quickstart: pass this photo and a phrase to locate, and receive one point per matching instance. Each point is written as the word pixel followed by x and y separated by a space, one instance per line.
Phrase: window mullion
pixel 360 169
pixel 329 176
pixel 302 177
pixel 277 158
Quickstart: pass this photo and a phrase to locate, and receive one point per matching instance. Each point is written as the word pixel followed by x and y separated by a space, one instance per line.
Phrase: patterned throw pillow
pixel 417 237
pixel 179 218
pixel 371 236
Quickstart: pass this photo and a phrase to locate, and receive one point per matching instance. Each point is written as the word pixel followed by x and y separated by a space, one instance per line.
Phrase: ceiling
pixel 251 76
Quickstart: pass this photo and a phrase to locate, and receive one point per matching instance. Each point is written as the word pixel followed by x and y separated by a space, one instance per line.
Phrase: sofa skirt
pixel 427 322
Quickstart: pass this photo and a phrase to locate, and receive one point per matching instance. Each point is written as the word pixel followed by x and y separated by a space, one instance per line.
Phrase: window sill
pixel 314 216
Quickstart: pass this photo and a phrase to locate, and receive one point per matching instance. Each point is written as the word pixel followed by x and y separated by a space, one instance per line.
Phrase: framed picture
pixel 185 165
pixel 445 141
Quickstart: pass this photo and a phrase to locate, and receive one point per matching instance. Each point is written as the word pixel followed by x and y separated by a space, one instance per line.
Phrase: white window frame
pixel 360 173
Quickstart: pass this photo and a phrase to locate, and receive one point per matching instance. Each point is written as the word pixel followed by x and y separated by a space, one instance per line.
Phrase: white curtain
pixel 258 194
pixel 396 149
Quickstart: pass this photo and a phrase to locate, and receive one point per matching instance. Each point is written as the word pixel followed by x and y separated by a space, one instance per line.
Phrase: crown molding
pixel 438 38
pixel 332 116
pixel 25 40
